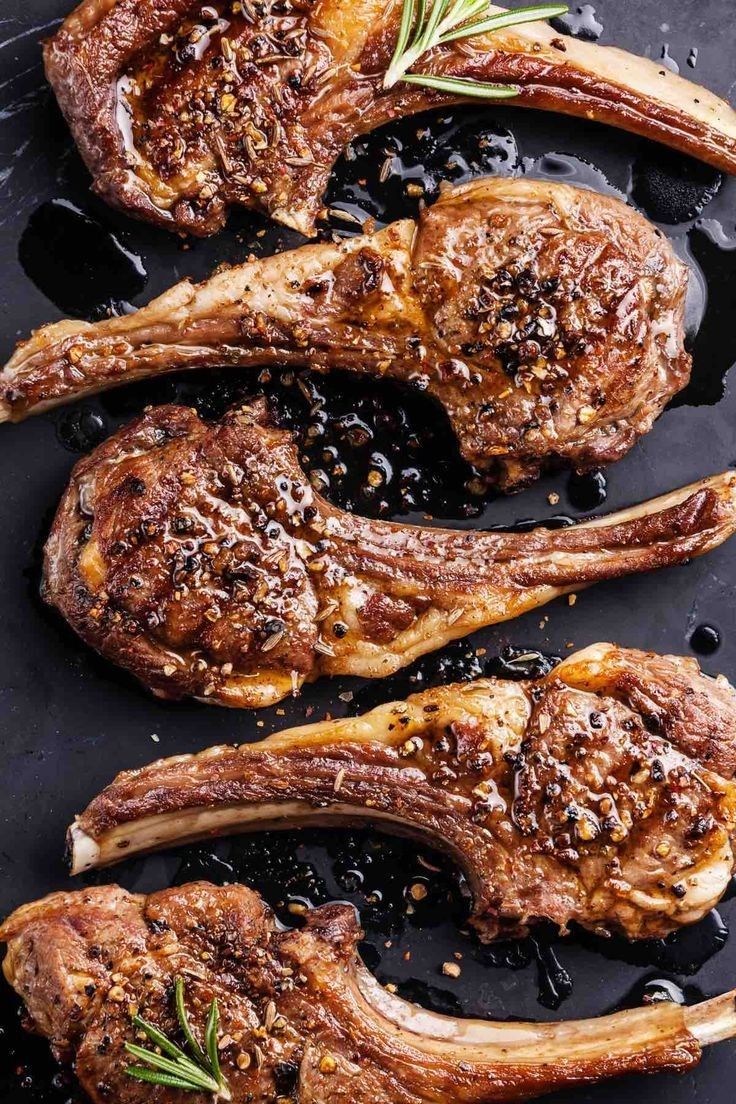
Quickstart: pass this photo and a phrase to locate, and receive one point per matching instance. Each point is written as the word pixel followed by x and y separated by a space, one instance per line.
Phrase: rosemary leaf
pixel 446 21
pixel 461 86
pixel 506 19
pixel 186 1072
pixel 158 1038
pixel 170 1065
pixel 464 10
pixel 427 37
pixel 210 1039
pixel 422 11
pixel 407 20
pixel 186 1027
pixel 155 1077
pixel 185 1066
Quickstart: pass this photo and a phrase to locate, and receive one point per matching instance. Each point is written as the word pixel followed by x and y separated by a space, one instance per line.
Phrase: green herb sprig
pixel 429 23
pixel 198 1071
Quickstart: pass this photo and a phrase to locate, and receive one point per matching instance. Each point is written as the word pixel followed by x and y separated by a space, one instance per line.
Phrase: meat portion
pixel 547 321
pixel 300 1018
pixel 555 796
pixel 182 109
pixel 200 558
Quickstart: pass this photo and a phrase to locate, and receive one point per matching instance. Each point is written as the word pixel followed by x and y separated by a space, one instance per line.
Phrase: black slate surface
pixel 70 721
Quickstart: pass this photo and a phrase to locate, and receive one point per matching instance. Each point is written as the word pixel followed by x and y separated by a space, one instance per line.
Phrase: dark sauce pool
pixel 385 452
pixel 78 263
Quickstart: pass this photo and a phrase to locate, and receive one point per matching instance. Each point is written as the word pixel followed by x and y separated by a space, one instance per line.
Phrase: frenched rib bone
pixel 181 111
pixel 546 320
pixel 298 1006
pixel 553 795
pixel 200 558
pixel 298 1001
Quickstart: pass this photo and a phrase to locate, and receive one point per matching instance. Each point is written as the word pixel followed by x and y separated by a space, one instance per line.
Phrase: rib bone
pixel 555 798
pixel 299 1001
pixel 547 321
pixel 175 131
pixel 200 558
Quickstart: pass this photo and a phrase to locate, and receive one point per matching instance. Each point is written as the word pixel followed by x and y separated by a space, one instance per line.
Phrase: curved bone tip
pixel 714 1020
pixel 723 483
pixel 83 852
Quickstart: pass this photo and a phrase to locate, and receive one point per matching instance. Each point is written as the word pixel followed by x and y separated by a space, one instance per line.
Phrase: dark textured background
pixel 69 721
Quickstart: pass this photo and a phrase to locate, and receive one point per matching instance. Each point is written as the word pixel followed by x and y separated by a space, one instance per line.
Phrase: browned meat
pixel 547 320
pixel 200 558
pixel 181 109
pixel 556 798
pixel 300 1016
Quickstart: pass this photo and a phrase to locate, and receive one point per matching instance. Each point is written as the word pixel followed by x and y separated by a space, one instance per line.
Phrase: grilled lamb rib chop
pixel 554 795
pixel 181 110
pixel 547 320
pixel 300 1005
pixel 200 558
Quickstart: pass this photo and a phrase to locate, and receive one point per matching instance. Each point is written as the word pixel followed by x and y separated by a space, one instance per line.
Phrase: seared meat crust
pixel 299 1017
pixel 556 796
pixel 548 321
pixel 200 558
pixel 182 109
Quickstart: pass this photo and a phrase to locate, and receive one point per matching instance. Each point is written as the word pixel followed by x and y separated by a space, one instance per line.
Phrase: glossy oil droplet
pixel 81 430
pixel 705 640
pixel 588 491
pixel 582 22
pixel 668 61
pixel 555 982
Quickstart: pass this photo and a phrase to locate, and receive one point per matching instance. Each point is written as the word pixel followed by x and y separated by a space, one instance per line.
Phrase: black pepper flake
pixel 286 1076
pixel 700 827
pixel 134 486
pixel 657 770
pixel 273 625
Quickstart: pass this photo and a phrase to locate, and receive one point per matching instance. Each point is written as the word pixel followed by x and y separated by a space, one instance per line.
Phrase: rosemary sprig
pixel 422 28
pixel 198 1071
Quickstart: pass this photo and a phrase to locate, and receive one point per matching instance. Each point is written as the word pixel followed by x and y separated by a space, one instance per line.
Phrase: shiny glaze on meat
pixel 547 321
pixel 300 1017
pixel 200 558
pixel 600 795
pixel 181 109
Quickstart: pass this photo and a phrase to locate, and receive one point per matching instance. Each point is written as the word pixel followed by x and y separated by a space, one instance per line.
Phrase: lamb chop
pixel 181 110
pixel 299 1016
pixel 555 796
pixel 200 558
pixel 547 320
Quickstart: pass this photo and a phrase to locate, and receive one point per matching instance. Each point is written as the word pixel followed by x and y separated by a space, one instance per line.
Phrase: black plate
pixel 70 721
